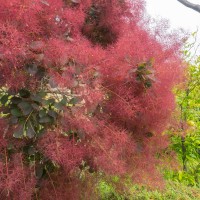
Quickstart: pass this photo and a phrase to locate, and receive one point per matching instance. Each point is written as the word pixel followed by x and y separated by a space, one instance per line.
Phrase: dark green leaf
pixel 45 120
pixel 35 106
pixel 4 99
pixel 149 134
pixel 74 101
pixel 19 133
pixel 30 133
pixel 6 110
pixel 25 107
pixel 10 146
pixel 14 120
pixel 40 73
pixel 41 94
pixel 148 84
pixel 31 150
pixel 24 93
pixel 59 106
pixel 48 102
pixel 38 97
pixel 16 100
pixel 53 114
pixel 64 100
pixel 16 112
pixel 42 113
pixel 141 67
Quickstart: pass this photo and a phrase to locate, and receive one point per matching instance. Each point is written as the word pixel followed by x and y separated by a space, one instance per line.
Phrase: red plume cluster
pixel 120 74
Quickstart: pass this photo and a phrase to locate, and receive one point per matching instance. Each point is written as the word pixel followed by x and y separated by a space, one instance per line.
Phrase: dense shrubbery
pixel 172 191
pixel 185 134
pixel 85 86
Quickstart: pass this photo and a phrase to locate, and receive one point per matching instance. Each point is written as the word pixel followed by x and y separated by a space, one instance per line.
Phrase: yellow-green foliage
pixel 172 191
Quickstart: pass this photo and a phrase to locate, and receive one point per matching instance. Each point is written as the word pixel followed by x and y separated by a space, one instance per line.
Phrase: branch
pixel 188 4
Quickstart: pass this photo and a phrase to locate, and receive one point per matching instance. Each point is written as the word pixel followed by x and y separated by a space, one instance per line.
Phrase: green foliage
pixel 145 73
pixel 191 174
pixel 108 192
pixel 32 113
pixel 173 191
pixel 187 142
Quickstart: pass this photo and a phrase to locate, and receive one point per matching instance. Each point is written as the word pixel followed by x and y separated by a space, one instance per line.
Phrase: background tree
pixel 186 139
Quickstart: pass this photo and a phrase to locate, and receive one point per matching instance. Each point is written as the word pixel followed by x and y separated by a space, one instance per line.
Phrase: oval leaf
pixel 24 93
pixel 53 114
pixel 16 112
pixel 4 99
pixel 19 133
pixel 30 133
pixel 16 100
pixel 45 120
pixel 42 113
pixel 25 107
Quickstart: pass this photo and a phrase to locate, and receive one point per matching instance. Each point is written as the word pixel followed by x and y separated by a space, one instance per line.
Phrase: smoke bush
pixel 84 85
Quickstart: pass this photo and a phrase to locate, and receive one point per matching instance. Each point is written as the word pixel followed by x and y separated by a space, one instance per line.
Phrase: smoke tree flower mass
pixel 84 85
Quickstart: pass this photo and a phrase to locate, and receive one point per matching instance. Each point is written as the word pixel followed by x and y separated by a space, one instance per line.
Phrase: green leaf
pixel 149 134
pixel 74 101
pixel 25 107
pixel 16 112
pixel 30 132
pixel 4 99
pixel 35 106
pixel 64 101
pixel 42 113
pixel 24 93
pixel 44 120
pixel 141 67
pixel 14 120
pixel 19 133
pixel 40 73
pixel 48 102
pixel 16 100
pixel 59 106
pixel 6 110
pixel 36 98
pixel 180 175
pixel 53 114
pixel 10 146
pixel 31 150
pixel 148 84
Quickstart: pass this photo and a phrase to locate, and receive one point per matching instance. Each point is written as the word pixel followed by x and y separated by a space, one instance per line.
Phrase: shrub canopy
pixel 84 85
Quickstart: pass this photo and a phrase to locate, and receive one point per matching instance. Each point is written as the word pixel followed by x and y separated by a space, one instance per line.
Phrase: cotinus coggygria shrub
pixel 84 85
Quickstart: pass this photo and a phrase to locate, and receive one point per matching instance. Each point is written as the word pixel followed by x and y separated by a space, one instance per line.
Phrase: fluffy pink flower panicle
pixel 84 86
pixel 105 146
pixel 16 180
pixel 60 150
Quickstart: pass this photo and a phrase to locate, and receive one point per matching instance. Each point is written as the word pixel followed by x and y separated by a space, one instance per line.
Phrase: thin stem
pixel 51 182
